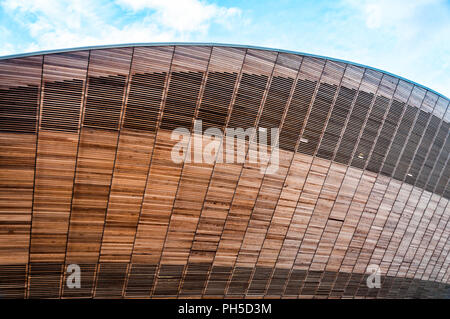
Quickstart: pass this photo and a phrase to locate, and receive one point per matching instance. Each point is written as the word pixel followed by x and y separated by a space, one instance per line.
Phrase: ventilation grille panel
pixel 104 102
pixel 18 109
pixel 62 105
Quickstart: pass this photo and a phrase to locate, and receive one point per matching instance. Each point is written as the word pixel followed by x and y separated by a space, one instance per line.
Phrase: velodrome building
pixel 87 176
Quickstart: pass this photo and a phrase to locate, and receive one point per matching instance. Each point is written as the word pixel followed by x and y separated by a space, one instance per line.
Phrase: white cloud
pixel 416 35
pixel 6 47
pixel 183 15
pixel 62 24
pixel 403 17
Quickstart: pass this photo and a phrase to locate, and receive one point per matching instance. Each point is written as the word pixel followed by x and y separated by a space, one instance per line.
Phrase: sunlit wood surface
pixel 86 177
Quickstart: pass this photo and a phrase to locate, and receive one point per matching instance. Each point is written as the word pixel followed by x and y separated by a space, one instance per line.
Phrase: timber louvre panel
pixel 270 188
pixel 133 158
pixel 44 280
pixel 310 69
pixel 246 105
pixel 90 201
pixel 127 188
pixel 56 156
pixel 104 101
pixel 148 228
pixel 19 94
pixel 87 283
pixel 248 185
pixel 12 281
pixel 426 142
pixel 221 186
pixel 216 99
pixel 303 93
pixel 140 226
pixel 432 158
pixel 174 248
pixel 374 122
pixel 110 280
pixel 406 123
pixel 19 117
pixel 61 108
pixel 140 281
pixel 415 136
pixel 181 99
pixel 319 214
pixel 144 101
pixel 347 92
pixel 389 127
pixel 17 156
pixel 323 101
pixel 357 117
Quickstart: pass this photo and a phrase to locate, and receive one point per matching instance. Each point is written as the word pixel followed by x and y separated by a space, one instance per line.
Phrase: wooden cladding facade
pixel 86 177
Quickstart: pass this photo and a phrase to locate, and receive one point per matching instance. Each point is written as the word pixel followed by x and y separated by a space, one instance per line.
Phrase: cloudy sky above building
pixel 407 38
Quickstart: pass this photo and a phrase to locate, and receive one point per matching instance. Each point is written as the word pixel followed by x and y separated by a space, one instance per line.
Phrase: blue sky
pixel 410 38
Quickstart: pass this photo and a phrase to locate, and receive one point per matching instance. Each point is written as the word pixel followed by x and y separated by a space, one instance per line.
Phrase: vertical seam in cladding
pixel 126 90
pixel 258 117
pixel 430 144
pixel 431 239
pixel 320 192
pixel 158 127
pixel 420 140
pixel 406 204
pixel 230 110
pixel 370 193
pixel 397 127
pixel 347 119
pixel 369 110
pixel 436 263
pixel 345 173
pixel 398 222
pixel 429 201
pixel 373 185
pixel 82 107
pixel 157 122
pixel 347 165
pixel 288 104
pixel 388 107
pixel 440 237
pixel 439 153
pixel 293 213
pixel 361 177
pixel 412 238
pixel 286 107
pixel 197 105
pixel 333 103
pixel 441 123
pixel 328 170
pixel 306 177
pixel 196 111
pixel 37 125
pixel 311 103
pixel 407 139
pixel 440 277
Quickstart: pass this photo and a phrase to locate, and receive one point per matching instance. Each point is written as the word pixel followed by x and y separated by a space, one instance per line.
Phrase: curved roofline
pixel 153 44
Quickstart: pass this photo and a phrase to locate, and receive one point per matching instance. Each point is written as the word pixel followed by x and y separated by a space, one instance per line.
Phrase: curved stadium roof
pixel 86 175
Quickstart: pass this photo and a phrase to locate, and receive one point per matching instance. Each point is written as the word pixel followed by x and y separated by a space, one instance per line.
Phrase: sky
pixel 409 38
